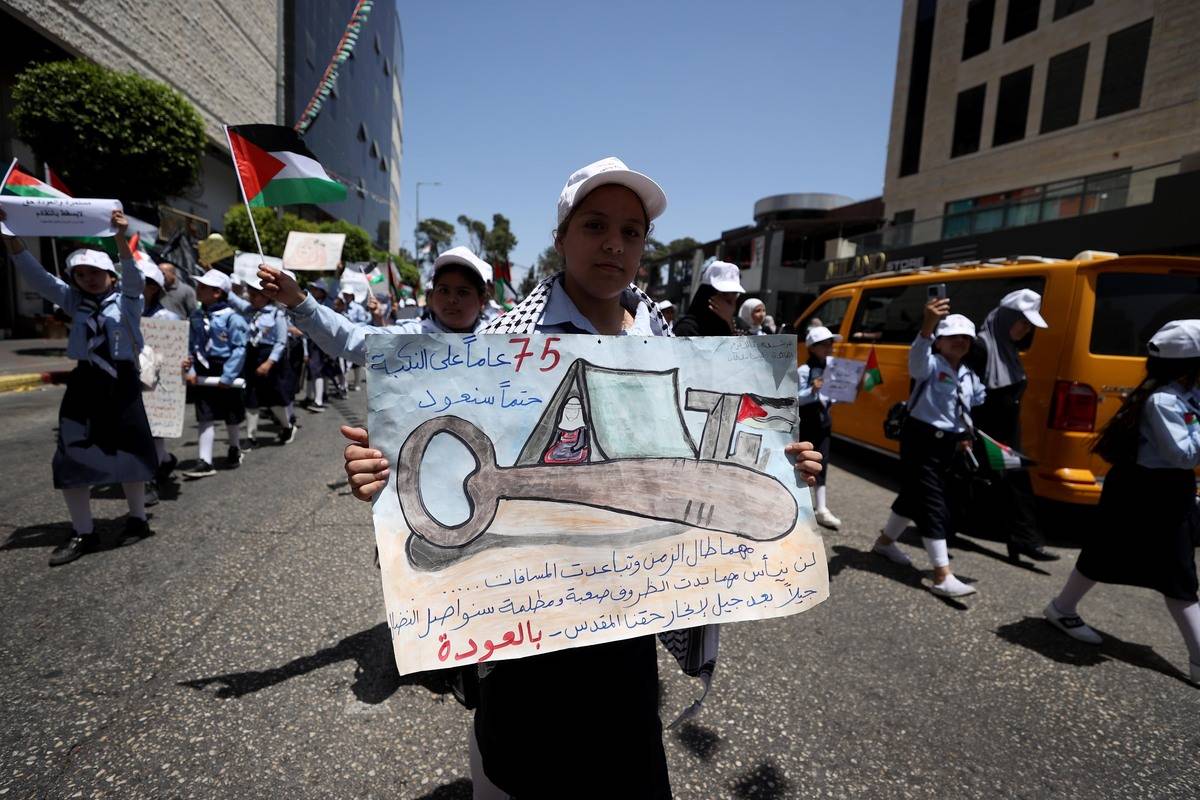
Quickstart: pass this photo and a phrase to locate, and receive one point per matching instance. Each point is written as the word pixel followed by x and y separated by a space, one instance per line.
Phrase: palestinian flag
pixel 276 169
pixel 872 377
pixel 506 295
pixel 19 183
pixel 1001 457
pixel 767 413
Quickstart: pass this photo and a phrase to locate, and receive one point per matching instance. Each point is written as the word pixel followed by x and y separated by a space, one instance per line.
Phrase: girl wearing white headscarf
pixel 752 313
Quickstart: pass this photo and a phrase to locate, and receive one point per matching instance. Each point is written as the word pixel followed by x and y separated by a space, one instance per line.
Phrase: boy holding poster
pixel 604 215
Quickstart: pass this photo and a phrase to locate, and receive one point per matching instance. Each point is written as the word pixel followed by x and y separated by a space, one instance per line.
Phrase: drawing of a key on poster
pixel 559 491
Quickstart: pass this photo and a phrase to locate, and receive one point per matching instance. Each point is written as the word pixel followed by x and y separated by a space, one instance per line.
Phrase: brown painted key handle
pixel 713 495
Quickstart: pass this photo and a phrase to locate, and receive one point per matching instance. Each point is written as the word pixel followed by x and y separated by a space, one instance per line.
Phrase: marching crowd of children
pixel 248 350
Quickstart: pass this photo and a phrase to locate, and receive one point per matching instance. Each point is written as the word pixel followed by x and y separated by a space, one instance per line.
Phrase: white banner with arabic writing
pixel 554 492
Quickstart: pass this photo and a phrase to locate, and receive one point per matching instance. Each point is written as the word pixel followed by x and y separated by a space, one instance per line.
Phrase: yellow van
pixel 1101 309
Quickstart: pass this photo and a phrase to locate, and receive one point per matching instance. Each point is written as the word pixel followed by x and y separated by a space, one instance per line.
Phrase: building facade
pixel 358 135
pixel 1041 127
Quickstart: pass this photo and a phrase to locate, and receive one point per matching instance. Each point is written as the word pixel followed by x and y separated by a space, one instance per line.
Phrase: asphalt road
pixel 241 652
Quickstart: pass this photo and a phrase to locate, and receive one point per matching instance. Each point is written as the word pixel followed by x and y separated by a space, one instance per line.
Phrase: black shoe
pixel 249 444
pixel 315 408
pixel 1035 552
pixel 135 530
pixel 287 435
pixel 203 469
pixel 151 494
pixel 166 468
pixel 72 549
pixel 233 459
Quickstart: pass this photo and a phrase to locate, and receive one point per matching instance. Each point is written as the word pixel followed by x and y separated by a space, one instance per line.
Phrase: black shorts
pixel 217 403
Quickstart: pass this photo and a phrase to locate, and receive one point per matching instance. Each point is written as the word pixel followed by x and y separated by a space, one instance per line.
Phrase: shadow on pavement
pixel 968 546
pixel 52 534
pixel 1037 635
pixel 457 790
pixel 375 676
pixel 867 464
pixel 764 781
pixel 867 561
pixel 700 741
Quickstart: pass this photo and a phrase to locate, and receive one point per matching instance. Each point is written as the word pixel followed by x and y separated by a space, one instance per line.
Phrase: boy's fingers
pixel 358 435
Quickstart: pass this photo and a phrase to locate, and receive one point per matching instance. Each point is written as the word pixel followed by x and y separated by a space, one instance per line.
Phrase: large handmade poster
pixel 161 365
pixel 559 491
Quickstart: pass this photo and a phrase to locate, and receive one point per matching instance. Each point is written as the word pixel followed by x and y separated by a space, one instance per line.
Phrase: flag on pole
pixel 506 295
pixel 872 377
pixel 276 169
pixel 1001 457
pixel 19 183
pixel 51 177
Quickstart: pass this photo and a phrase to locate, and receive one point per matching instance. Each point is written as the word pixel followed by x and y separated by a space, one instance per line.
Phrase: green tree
pixel 477 234
pixel 435 233
pixel 109 133
pixel 500 239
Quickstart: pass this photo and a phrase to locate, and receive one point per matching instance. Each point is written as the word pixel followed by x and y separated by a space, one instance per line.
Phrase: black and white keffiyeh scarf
pixel 694 648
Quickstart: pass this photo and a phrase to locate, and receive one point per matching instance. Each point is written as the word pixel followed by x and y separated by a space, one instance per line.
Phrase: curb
pixel 30 380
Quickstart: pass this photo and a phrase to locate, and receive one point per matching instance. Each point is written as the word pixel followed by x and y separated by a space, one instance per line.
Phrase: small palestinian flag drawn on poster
pixel 1001 457
pixel 766 414
pixel 872 377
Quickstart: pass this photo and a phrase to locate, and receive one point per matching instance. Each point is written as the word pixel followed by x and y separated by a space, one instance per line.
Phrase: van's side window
pixel 1130 307
pixel 831 313
pixel 892 314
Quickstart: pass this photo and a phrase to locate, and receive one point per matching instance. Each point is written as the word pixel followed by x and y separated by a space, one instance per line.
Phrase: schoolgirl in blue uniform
pixel 153 308
pixel 604 214
pixel 267 369
pixel 937 430
pixel 816 425
pixel 103 434
pixel 1149 518
pixel 456 304
pixel 217 344
pixel 322 367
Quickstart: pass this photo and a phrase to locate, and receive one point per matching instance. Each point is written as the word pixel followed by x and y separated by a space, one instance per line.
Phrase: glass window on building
pixel 918 86
pixel 1064 89
pixel 977 37
pixel 1131 307
pixel 1064 8
pixel 1124 69
pixel 1022 18
pixel 1062 199
pixel 1106 192
pixel 1024 207
pixel 1012 107
pixel 968 121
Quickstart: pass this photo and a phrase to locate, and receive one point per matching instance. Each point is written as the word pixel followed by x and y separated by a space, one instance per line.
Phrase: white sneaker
pixel 825 517
pixel 952 587
pixel 893 554
pixel 1074 627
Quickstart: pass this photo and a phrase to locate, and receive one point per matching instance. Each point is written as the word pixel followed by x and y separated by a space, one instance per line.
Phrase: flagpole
pixel 53 241
pixel 242 189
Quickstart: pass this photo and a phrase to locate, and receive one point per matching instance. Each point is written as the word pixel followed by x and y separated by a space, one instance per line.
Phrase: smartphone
pixel 936 291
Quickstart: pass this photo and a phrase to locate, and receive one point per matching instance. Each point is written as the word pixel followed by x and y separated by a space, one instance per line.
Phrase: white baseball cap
pixel 1177 339
pixel 1028 302
pixel 955 325
pixel 819 334
pixel 611 170
pixel 151 272
pixel 464 256
pixel 91 258
pixel 665 305
pixel 217 280
pixel 723 276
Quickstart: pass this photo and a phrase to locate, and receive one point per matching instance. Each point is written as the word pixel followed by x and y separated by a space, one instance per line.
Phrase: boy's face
pixel 207 295
pixel 93 280
pixel 455 302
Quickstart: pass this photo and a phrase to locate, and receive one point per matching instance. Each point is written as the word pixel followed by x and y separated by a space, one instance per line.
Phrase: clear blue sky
pixel 721 102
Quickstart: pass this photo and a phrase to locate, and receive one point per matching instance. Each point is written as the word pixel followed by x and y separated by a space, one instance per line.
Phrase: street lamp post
pixel 417 229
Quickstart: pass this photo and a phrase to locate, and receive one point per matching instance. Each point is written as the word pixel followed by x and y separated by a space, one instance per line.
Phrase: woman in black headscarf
pixel 995 356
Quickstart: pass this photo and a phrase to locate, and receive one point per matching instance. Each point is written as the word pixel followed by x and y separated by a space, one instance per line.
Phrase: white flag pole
pixel 242 189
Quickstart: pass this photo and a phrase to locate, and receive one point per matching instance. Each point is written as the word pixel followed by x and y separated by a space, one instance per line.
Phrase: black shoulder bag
pixel 897 415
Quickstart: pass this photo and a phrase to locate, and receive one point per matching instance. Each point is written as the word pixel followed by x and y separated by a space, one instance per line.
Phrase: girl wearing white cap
pixel 1149 519
pixel 322 367
pixel 150 364
pixel 816 425
pixel 456 304
pixel 937 429
pixel 103 434
pixel 710 313
pixel 995 357
pixel 604 214
pixel 267 369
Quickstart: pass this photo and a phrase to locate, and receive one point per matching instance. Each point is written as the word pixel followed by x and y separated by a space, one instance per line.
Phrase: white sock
pixel 319 388
pixel 892 552
pixel 135 496
pixel 936 548
pixel 79 506
pixel 233 431
pixel 251 423
pixel 820 501
pixel 1072 592
pixel 1187 617
pixel 160 448
pixel 895 526
pixel 208 435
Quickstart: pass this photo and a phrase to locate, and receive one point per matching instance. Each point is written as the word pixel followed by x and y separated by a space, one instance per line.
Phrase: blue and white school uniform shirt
pixel 944 395
pixel 1169 431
